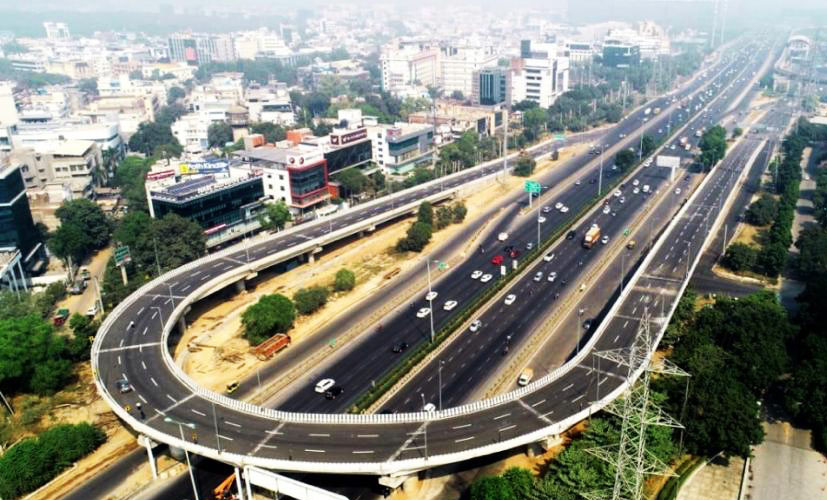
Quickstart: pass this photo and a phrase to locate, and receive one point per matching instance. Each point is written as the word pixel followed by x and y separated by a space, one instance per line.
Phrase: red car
pixel 497 260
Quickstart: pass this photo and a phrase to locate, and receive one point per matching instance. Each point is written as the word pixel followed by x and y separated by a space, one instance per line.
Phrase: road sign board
pixel 122 255
pixel 559 137
pixel 532 187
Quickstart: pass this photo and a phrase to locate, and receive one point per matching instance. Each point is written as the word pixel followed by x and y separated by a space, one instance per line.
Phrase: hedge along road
pixel 245 434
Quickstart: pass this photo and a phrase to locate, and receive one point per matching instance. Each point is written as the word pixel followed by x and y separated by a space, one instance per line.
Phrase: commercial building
pixel 578 52
pixel 17 231
pixel 56 31
pixel 401 147
pixel 453 120
pixel 72 167
pixel 404 64
pixel 39 136
pixel 617 54
pixel 491 86
pixel 191 132
pixel 269 103
pixel 201 48
pixel 540 75
pixel 459 65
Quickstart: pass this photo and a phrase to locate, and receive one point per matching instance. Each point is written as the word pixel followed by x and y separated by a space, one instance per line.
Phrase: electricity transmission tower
pixel 630 458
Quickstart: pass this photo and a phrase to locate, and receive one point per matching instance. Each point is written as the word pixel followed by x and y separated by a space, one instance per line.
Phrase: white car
pixel 476 325
pixel 616 194
pixel 92 311
pixel 429 407
pixel 551 277
pixel 548 257
pixel 423 312
pixel 538 276
pixel 636 191
pixel 431 295
pixel 636 182
pixel 606 209
pixel 541 219
pixel 564 209
pixel 546 209
pixel 677 190
pixel 529 245
pixel 510 298
pixel 486 278
pixel 502 236
pixel 324 384
pixel 578 182
pixel 558 205
pixel 622 199
pixel 605 239
pixel 450 305
pixel 476 274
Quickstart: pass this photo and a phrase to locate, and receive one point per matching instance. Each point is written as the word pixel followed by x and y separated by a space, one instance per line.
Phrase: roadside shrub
pixel 309 300
pixel 345 280
pixel 272 314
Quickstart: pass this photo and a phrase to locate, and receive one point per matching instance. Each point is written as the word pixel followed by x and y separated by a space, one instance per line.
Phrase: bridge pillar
pixel 361 234
pixel 238 484
pixel 240 286
pixel 182 325
pixel 148 444
pixel 310 258
pixel 409 485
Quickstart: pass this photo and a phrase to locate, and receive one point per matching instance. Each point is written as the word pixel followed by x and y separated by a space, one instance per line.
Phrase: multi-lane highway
pixel 131 345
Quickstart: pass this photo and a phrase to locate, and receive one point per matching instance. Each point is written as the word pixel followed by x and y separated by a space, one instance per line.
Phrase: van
pixel 525 377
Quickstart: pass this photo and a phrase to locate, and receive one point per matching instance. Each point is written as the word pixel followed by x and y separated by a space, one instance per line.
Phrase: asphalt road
pixel 137 350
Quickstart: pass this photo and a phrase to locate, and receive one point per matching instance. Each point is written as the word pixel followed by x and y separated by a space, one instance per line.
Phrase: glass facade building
pixel 16 224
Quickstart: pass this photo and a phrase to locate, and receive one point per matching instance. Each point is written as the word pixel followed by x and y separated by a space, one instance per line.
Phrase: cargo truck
pixel 271 346
pixel 592 236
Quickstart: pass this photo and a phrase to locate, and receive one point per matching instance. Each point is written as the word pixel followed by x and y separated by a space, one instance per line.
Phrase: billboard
pixel 348 137
pixel 203 167
pixel 668 161
pixel 160 174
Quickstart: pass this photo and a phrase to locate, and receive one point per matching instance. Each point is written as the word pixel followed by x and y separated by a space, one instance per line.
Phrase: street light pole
pixel 439 371
pixel 430 298
pixel 600 175
pixel 425 426
pixel 160 316
pixel 186 453
pixel 215 422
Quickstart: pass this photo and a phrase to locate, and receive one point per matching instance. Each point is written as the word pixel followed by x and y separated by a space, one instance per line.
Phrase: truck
pixel 656 110
pixel 60 317
pixel 592 236
pixel 684 140
pixel 271 346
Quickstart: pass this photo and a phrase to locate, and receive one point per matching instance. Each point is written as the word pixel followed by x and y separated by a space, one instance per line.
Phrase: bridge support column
pixel 238 484
pixel 310 258
pixel 182 325
pixel 148 445
pixel 240 286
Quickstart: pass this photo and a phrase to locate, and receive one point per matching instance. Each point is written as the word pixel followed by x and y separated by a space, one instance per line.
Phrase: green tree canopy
pixel 219 134
pixel 353 180
pixel 418 236
pixel 762 211
pixel 625 160
pixel 272 133
pixel 525 166
pixel 713 146
pixel 31 356
pixel 130 176
pixel 83 229
pixel 272 314
pixel 274 216
pixel 345 280
pixel 425 214
pixel 310 300
pixel 740 257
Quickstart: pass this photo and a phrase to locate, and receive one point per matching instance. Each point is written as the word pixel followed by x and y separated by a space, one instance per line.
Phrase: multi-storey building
pixel 297 176
pixel 56 31
pixel 269 103
pixel 405 64
pixel 491 86
pixel 401 147
pixel 17 231
pixel 459 65
pixel 540 75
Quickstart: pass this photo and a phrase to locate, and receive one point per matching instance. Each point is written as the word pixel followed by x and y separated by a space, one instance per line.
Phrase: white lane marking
pixel 271 446
pixel 153 381
pixel 615 340
pixel 502 416
pixel 601 381
pixel 311 450
pixel 226 438
pixel 145 330
pixel 463 426
pixel 362 452
pixel 172 399
pixel 204 277
pixel 141 310
pixel 231 423
pixel 196 273
pixel 121 344
pixel 154 314
pixel 367 435
pixel 143 365
pixel 128 347
pixel 538 403
pixel 119 360
pixel 142 398
pixel 578 398
pixel 625 324
pixel 198 412
pixel 184 289
pixel 506 428
pixel 319 435
pixel 568 387
pixel 463 439
pixel 413 448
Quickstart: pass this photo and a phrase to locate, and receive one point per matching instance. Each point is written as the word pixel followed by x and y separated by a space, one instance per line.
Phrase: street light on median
pixel 186 453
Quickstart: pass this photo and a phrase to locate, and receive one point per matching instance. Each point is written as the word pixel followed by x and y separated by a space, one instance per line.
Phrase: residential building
pixel 8 107
pixel 191 132
pixel 106 135
pixel 127 112
pixel 269 103
pixel 491 86
pixel 540 75
pixel 74 165
pixel 56 31
pixel 401 147
pixel 17 231
pixel 453 120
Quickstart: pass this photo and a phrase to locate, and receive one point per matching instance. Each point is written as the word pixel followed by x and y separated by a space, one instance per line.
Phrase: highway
pixel 343 443
pixel 366 362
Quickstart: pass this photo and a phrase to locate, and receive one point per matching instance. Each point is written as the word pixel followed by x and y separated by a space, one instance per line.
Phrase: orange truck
pixel 592 236
pixel 271 346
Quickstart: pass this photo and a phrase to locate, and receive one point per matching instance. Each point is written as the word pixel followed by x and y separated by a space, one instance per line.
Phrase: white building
pixel 540 75
pixel 401 147
pixel 37 135
pixel 56 31
pixel 269 103
pixel 459 67
pixel 405 64
pixel 8 108
pixel 191 132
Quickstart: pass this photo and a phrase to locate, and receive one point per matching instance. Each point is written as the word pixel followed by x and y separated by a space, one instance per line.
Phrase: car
pixel 636 191
pixel 514 253
pixel 399 347
pixel 431 295
pixel 476 274
pixel 571 234
pixel 622 199
pixel 592 181
pixel 606 209
pixel 677 190
pixel 614 167
pixel 546 209
pixel 450 305
pixel 334 392
pixel 429 407
pixel 497 260
pixel 630 245
pixel 525 377
pixel 551 277
pixel 587 324
pixel 617 193
pixel 324 384
pixel 548 257
pixel 423 312
pixel 510 298
pixel 564 209
pixel 476 325
pixel 92 311
pixel 604 239
pixel 529 246
pixel 538 276
pixel 232 387
pixel 672 147
pixel 578 182
pixel 123 385
pixel 558 205
pixel 635 182
pixel 502 236
pixel 541 219
pixel 486 278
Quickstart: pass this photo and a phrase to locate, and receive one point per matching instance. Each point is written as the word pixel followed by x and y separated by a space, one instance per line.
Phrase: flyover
pixel 244 434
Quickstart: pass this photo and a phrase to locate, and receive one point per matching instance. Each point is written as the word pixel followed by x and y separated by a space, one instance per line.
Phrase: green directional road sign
pixel 627 232
pixel 559 137
pixel 122 255
pixel 532 187
pixel 441 265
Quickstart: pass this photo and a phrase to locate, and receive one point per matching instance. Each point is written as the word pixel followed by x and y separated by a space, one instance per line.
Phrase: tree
pixel 713 146
pixel 179 240
pixel 272 314
pixel 457 94
pixel 533 121
pixel 175 93
pixel 525 166
pixel 459 212
pixel 740 257
pixel 83 229
pixel 737 132
pixel 491 488
pixel 762 211
pixel 625 160
pixel 444 217
pixel 274 216
pixel 345 280
pixel 418 236
pixel 14 47
pixel 812 245
pixel 150 136
pixel 31 356
pixel 648 145
pixel 425 214
pixel 309 300
pixel 353 180
pixel 272 133
pixel 771 258
pixel 219 134
pixel 525 105
pixel 520 481
pixel 130 176
pixel 88 86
